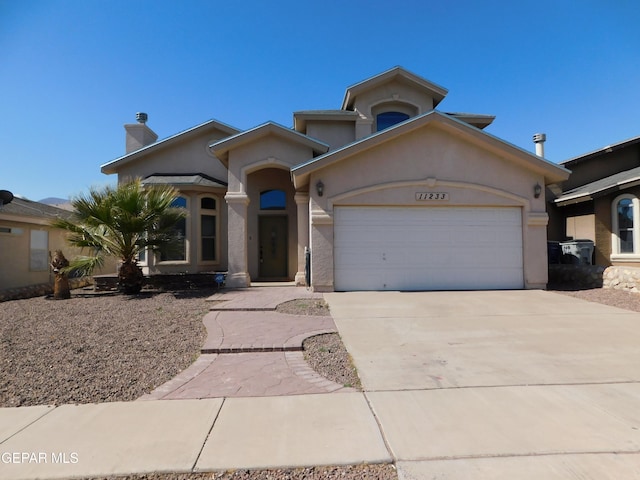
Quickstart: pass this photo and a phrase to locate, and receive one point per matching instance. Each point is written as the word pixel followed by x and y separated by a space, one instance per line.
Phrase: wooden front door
pixel 272 254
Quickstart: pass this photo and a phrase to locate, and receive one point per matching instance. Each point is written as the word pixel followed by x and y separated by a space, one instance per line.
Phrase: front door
pixel 272 254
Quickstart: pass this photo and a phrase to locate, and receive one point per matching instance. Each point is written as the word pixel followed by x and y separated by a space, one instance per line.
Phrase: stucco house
pixel 599 202
pixel 27 242
pixel 387 193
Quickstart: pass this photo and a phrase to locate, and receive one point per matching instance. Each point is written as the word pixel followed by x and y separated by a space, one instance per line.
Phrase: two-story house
pixel 386 193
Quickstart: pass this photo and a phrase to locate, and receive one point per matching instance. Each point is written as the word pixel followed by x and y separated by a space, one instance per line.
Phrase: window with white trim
pixel 625 213
pixel 39 251
pixel 208 229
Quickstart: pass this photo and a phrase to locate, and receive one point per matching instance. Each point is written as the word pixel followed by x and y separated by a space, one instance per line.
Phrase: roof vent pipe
pixel 539 139
pixel 141 117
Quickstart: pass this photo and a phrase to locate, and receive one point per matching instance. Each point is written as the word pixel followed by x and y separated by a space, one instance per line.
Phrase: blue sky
pixel 72 72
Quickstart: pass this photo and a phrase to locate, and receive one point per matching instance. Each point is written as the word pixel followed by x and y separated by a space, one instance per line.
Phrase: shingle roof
pixel 614 182
pixel 110 167
pixel 199 179
pixel 28 208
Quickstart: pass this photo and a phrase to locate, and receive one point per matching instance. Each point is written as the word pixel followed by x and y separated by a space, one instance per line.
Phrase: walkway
pixel 251 350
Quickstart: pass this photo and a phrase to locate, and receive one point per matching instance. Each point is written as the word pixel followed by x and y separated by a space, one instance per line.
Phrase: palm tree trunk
pixel 61 290
pixel 130 278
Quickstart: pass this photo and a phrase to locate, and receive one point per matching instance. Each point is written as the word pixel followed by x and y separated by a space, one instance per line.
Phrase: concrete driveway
pixel 512 384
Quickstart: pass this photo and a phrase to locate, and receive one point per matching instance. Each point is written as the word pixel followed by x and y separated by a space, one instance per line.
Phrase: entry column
pixel 238 275
pixel 302 203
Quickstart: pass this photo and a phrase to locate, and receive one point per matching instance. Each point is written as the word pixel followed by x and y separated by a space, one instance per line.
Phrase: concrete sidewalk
pixel 188 435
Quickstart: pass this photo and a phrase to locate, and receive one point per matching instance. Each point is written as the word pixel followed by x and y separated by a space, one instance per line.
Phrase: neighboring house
pixel 28 242
pixel 599 202
pixel 387 193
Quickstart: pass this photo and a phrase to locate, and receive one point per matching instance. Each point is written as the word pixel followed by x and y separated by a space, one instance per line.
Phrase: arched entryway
pixel 272 225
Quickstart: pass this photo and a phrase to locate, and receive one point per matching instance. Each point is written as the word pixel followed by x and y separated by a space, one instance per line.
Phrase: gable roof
pixel 21 209
pixel 301 118
pixel 601 151
pixel 112 166
pixel 478 120
pixel 178 180
pixel 222 148
pixel 584 193
pixel 436 91
pixel 552 172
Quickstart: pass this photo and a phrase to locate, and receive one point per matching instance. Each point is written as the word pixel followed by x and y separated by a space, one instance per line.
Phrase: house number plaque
pixel 432 196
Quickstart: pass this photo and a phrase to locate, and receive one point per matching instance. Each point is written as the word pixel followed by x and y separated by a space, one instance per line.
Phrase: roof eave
pixel 112 166
pixel 222 148
pixel 602 151
pixel 552 173
pixel 438 92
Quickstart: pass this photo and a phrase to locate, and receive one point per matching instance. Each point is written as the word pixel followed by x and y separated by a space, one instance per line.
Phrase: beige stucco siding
pixel 190 156
pixel 334 134
pixel 15 270
pixel 394 91
pixel 430 159
pixel 419 156
pixel 269 151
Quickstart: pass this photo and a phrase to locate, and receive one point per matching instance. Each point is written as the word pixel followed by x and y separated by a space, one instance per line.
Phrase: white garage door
pixel 427 248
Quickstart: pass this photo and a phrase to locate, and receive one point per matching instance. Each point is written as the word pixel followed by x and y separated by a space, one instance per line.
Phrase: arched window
pixel 177 252
pixel 624 232
pixel 273 200
pixel 388 119
pixel 208 229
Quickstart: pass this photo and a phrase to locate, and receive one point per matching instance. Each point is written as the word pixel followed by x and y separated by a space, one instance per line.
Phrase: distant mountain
pixel 57 202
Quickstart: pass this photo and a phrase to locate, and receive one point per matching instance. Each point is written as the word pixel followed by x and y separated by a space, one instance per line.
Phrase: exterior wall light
pixel 320 188
pixel 537 190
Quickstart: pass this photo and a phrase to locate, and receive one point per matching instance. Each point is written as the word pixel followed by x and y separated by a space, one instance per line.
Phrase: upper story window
pixel 625 226
pixel 388 119
pixel 178 251
pixel 208 229
pixel 273 200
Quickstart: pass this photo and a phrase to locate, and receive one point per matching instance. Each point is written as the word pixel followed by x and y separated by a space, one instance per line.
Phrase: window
pixel 273 200
pixel 625 225
pixel 11 230
pixel 625 214
pixel 178 251
pixel 388 119
pixel 208 229
pixel 39 251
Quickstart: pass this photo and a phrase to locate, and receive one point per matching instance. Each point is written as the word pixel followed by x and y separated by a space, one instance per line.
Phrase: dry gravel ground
pixel 353 472
pixel 96 348
pixel 615 298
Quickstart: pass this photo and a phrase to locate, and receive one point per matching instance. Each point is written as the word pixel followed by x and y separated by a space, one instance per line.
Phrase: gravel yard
pixel 96 348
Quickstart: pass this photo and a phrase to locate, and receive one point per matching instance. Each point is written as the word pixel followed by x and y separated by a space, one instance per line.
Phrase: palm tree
pixel 122 222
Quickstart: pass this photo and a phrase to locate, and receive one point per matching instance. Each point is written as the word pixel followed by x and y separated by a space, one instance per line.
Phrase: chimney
pixel 539 139
pixel 138 134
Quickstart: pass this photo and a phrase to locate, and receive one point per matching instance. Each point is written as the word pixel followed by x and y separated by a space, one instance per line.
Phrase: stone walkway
pixel 251 350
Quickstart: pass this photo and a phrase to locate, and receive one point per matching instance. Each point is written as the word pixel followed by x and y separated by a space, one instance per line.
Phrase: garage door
pixel 425 248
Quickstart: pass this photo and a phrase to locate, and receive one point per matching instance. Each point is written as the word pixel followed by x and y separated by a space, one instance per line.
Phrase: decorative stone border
pixel 40 290
pixel 622 278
